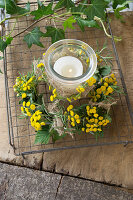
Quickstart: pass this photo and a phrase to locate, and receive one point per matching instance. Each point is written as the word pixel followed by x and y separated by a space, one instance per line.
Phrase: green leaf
pixel 96 8
pixel 69 23
pixel 1 57
pixel 34 37
pixel 55 135
pixel 12 8
pixel 42 11
pixel 118 2
pixel 43 136
pixel 81 7
pixel 88 23
pixel 55 33
pixel 105 70
pixel 3 45
pixel 8 40
pixel 65 3
pixel 117 13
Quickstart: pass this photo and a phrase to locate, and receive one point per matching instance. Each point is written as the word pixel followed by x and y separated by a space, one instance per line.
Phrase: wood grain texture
pixel 111 164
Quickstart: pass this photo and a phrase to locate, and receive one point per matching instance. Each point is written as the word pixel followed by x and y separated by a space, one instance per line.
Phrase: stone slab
pixel 17 183
pixel 20 183
pixel 77 189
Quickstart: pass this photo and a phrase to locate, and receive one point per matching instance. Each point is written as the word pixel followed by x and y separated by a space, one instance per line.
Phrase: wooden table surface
pixel 111 164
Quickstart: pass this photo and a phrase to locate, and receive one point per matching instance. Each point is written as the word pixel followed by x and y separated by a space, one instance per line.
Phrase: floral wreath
pixel 60 120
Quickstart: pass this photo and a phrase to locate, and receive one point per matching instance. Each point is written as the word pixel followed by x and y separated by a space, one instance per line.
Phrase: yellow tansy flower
pixel 28 87
pixel 92 120
pixel 25 88
pixel 50 87
pixel 83 129
pixel 37 126
pixel 78 121
pixel 106 84
pixel 28 113
pixel 51 98
pixel 55 95
pixel 87 60
pixel 72 123
pixel 76 116
pixel 24 104
pixel 96 115
pixel 87 130
pixel 24 95
pixel 26 109
pixel 43 124
pixel 72 119
pixel 38 117
pixel 88 125
pixel 54 91
pixel 22 109
pixel 95 129
pixel 71 113
pixel 110 89
pixel 28 104
pixel 69 117
pixel 32 107
pixel 40 65
pixel 100 118
pixel 99 129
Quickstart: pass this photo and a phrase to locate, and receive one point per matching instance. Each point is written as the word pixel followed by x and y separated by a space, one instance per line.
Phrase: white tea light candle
pixel 68 66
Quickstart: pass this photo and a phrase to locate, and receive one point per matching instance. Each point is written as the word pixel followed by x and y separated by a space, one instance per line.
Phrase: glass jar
pixel 69 48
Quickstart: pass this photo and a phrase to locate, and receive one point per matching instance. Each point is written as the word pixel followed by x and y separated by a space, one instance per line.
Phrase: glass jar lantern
pixel 68 64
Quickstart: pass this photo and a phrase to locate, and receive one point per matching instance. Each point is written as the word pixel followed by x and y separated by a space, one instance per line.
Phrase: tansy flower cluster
pixel 99 60
pixel 40 65
pixel 80 89
pixel 28 108
pixel 72 117
pixel 24 85
pixel 91 81
pixel 36 120
pixel 103 89
pixel 94 121
pixel 54 95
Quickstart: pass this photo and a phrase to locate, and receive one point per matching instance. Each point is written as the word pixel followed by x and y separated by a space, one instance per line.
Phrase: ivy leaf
pixel 64 3
pixel 69 23
pixel 89 23
pixel 117 13
pixel 118 2
pixel 34 37
pixel 96 8
pixel 3 45
pixel 43 136
pixel 12 8
pixel 55 33
pixel 1 57
pixel 42 11
pixel 9 40
pixel 105 70
pixel 80 7
pixel 1 72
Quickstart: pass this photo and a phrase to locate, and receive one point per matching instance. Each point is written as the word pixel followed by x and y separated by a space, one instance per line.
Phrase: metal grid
pixel 18 58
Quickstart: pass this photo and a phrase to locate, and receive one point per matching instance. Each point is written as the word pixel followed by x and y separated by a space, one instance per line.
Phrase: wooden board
pixel 111 164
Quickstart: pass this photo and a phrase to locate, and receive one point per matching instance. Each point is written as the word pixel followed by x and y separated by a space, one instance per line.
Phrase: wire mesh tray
pixel 18 58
